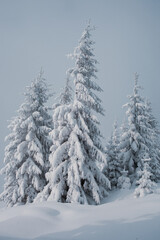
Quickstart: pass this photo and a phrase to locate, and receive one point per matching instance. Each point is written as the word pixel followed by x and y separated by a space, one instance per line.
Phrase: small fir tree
pixel 66 94
pixel 26 155
pixel 145 183
pixel 113 167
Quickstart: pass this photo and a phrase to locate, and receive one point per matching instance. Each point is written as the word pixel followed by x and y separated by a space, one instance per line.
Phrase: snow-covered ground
pixel 120 217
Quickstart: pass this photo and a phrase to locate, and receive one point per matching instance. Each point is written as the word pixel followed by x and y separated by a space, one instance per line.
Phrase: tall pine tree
pixel 26 155
pixel 74 175
pixel 86 182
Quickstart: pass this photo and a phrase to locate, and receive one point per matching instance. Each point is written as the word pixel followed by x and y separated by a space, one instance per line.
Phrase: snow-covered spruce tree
pixel 145 183
pixel 26 155
pixel 74 175
pixel 153 143
pixel 57 176
pixel 86 183
pixel 135 139
pixel 114 166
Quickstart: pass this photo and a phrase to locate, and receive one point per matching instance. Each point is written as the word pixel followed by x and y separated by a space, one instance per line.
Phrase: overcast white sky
pixel 35 33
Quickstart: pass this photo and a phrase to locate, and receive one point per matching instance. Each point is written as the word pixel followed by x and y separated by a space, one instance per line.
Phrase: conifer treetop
pixel 38 91
pixel 136 83
pixel 66 94
pixel 84 74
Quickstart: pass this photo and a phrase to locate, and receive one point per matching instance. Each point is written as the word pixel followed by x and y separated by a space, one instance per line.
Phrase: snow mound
pixel 120 217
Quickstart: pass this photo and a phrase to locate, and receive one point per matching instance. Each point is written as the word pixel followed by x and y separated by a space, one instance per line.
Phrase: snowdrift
pixel 120 217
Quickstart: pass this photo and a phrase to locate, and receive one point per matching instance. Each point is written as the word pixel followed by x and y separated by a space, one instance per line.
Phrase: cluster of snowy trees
pixel 133 152
pixel 62 157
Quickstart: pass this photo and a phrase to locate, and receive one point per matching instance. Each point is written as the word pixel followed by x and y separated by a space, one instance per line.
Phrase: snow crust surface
pixel 120 217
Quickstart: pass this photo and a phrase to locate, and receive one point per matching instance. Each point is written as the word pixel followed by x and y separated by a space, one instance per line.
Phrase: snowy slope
pixel 122 217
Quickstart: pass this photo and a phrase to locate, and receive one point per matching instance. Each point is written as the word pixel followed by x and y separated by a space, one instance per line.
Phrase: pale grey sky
pixel 35 33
